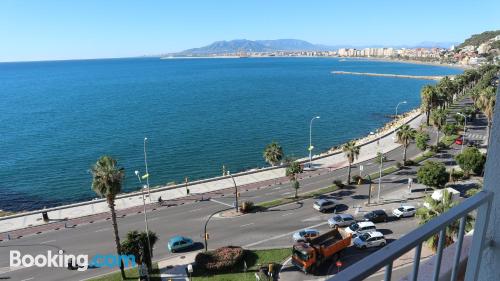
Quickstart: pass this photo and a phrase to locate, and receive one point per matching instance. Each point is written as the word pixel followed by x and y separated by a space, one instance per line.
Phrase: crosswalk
pixel 471 136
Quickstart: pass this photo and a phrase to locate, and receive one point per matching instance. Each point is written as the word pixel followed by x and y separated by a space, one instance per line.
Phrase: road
pixel 272 228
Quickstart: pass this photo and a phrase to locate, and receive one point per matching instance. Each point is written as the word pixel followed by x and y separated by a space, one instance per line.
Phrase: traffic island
pixel 234 263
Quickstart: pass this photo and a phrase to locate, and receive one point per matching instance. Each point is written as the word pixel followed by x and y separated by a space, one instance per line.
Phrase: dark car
pixel 376 216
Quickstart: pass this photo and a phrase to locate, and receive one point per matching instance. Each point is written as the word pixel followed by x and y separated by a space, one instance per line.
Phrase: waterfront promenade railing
pixel 385 257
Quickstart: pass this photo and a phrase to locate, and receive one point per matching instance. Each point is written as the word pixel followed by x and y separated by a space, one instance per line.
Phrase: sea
pixel 58 117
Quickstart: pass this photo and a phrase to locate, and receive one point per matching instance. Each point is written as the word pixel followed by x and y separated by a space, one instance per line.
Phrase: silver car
pixel 341 220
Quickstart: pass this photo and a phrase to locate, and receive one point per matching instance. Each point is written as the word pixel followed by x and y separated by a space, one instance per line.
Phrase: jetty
pixel 424 77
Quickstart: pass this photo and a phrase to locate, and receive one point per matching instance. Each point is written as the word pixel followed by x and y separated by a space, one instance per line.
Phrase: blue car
pixel 178 243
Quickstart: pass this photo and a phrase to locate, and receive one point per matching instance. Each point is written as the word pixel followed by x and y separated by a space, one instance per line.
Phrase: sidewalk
pixel 129 203
pixel 174 269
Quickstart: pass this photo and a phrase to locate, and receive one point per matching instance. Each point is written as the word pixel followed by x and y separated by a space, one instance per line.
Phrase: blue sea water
pixel 57 118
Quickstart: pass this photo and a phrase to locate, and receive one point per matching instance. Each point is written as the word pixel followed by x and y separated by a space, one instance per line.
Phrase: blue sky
pixel 49 29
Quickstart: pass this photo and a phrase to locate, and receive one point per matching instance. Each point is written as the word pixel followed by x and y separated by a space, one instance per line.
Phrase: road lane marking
pixel 103 229
pixel 282 235
pixel 31 278
pixel 286 193
pixel 153 219
pixel 247 224
pixel 287 214
pixel 45 242
pixel 195 210
pixel 225 204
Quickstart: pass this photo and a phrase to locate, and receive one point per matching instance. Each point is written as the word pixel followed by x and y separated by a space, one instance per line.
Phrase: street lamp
pixel 147 173
pixel 402 102
pixel 465 127
pixel 310 141
pixel 235 192
pixel 381 154
pixel 145 214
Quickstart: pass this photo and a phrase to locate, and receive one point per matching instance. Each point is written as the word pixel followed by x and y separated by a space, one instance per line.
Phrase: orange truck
pixel 309 255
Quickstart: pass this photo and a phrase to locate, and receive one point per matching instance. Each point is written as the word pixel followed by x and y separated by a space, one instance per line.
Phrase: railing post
pixel 388 272
pixel 416 260
pixel 476 252
pixel 458 249
pixel 439 256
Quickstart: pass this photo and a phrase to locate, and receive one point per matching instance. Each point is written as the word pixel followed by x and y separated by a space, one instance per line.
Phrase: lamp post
pixel 465 127
pixel 147 173
pixel 310 141
pixel 380 169
pixel 235 192
pixel 402 102
pixel 145 214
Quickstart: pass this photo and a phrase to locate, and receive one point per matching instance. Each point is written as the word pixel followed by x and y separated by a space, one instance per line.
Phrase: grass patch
pixel 131 274
pixel 302 196
pixel 253 259
pixel 4 213
pixel 424 156
pixel 385 172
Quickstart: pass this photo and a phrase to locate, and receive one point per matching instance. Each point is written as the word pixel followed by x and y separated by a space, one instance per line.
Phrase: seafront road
pixel 186 216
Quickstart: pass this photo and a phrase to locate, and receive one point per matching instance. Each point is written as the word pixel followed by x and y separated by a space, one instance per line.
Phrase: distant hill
pixel 478 39
pixel 243 45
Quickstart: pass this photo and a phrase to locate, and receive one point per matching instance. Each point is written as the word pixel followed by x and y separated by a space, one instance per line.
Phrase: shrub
pixel 433 174
pixel 421 140
pixel 357 179
pixel 246 206
pixel 409 163
pixel 399 165
pixel 456 175
pixel 223 259
pixel 471 159
pixel 338 183
pixel 471 192
pixel 434 148
pixel 450 129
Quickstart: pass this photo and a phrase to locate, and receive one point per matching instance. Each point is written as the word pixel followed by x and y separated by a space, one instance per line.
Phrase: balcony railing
pixel 385 256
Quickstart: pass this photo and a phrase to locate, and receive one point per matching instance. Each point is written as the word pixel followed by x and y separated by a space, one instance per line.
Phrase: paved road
pixel 266 229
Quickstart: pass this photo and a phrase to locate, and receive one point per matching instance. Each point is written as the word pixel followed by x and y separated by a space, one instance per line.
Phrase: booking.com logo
pixel 79 262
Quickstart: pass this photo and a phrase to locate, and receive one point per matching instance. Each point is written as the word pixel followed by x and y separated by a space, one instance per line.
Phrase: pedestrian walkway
pixel 174 269
pixel 380 142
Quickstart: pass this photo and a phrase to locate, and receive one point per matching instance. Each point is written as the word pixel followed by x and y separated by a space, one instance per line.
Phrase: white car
pixel 324 205
pixel 359 228
pixel 341 220
pixel 404 211
pixel 370 239
pixel 305 234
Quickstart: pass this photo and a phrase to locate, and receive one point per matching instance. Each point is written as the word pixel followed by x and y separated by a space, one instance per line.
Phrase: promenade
pixel 384 141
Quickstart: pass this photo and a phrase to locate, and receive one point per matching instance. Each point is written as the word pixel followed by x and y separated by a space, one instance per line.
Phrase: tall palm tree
pixel 291 172
pixel 428 96
pixel 107 181
pixel 487 105
pixel 136 244
pixel 273 153
pixel 351 152
pixel 438 117
pixel 446 90
pixel 404 136
pixel 434 208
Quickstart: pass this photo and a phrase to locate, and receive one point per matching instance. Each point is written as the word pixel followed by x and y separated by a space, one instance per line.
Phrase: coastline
pixel 457 66
pixel 436 78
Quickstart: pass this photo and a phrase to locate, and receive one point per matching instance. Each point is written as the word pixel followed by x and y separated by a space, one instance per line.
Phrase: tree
pixel 273 153
pixel 404 136
pixel 291 172
pixel 434 208
pixel 438 117
pixel 446 91
pixel 487 105
pixel 136 244
pixel 433 174
pixel 351 152
pixel 422 140
pixel 107 181
pixel 471 159
pixel 428 96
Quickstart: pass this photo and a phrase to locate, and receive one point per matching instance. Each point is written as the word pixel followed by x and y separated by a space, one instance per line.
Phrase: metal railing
pixel 386 255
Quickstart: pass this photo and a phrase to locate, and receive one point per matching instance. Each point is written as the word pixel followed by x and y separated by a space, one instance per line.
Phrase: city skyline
pixel 93 29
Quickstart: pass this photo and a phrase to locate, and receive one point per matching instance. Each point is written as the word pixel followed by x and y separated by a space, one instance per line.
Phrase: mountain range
pixel 244 45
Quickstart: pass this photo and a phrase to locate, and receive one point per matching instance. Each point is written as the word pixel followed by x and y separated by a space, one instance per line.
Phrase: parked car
pixel 341 220
pixel 459 140
pixel 359 228
pixel 178 243
pixel 370 239
pixel 376 216
pixel 404 211
pixel 305 234
pixel 324 205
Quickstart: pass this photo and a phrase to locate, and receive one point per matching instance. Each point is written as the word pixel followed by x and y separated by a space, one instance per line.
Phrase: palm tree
pixel 428 96
pixel 438 117
pixel 404 136
pixel 486 103
pixel 434 208
pixel 273 153
pixel 136 244
pixel 351 152
pixel 446 90
pixel 107 181
pixel 291 172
